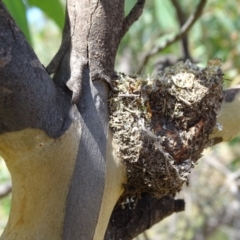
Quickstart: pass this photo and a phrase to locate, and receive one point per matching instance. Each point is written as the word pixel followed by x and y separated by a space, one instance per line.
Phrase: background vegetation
pixel 213 197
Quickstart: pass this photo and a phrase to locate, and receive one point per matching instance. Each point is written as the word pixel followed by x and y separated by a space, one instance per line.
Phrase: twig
pixel 5 189
pixel 184 29
pixel 55 62
pixel 180 14
pixel 182 19
pixel 133 16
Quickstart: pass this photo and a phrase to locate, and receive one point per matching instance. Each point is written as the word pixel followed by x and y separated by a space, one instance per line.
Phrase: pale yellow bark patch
pixel 228 120
pixel 41 168
pixel 115 177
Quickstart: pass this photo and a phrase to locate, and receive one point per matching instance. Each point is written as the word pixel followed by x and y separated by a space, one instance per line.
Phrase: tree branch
pixel 182 18
pixel 184 29
pixel 180 14
pixel 56 133
pixel 133 16
pixel 96 27
pixel 127 223
pixel 65 44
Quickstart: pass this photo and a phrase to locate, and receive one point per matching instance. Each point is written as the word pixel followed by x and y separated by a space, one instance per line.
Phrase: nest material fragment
pixel 161 124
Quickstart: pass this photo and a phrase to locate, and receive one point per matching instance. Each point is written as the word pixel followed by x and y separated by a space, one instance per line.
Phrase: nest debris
pixel 161 124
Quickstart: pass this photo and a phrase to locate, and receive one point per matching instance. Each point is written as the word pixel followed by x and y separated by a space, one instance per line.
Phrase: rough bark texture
pixel 127 223
pixel 95 34
pixel 28 97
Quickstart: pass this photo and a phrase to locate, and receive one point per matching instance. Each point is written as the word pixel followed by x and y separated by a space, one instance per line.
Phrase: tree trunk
pixel 54 144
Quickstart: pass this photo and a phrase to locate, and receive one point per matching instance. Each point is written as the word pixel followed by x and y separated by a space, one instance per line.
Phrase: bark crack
pixel 80 54
pixel 94 7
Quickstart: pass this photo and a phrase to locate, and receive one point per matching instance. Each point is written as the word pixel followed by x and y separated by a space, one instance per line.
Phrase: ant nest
pixel 161 125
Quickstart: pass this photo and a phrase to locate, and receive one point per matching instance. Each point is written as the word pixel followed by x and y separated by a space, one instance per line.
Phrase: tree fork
pixel 39 122
pixel 34 108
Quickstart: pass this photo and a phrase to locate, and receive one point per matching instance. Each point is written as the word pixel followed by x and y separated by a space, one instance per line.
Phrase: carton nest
pixel 162 124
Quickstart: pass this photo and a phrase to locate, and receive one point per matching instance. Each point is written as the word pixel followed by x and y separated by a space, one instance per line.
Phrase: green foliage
pixel 18 11
pixel 53 9
pixel 165 15
pixel 46 41
pixel 128 6
pixel 18 8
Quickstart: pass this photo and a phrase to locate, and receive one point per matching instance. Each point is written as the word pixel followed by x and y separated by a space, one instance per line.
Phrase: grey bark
pixel 93 52
pixel 28 97
pixel 127 223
